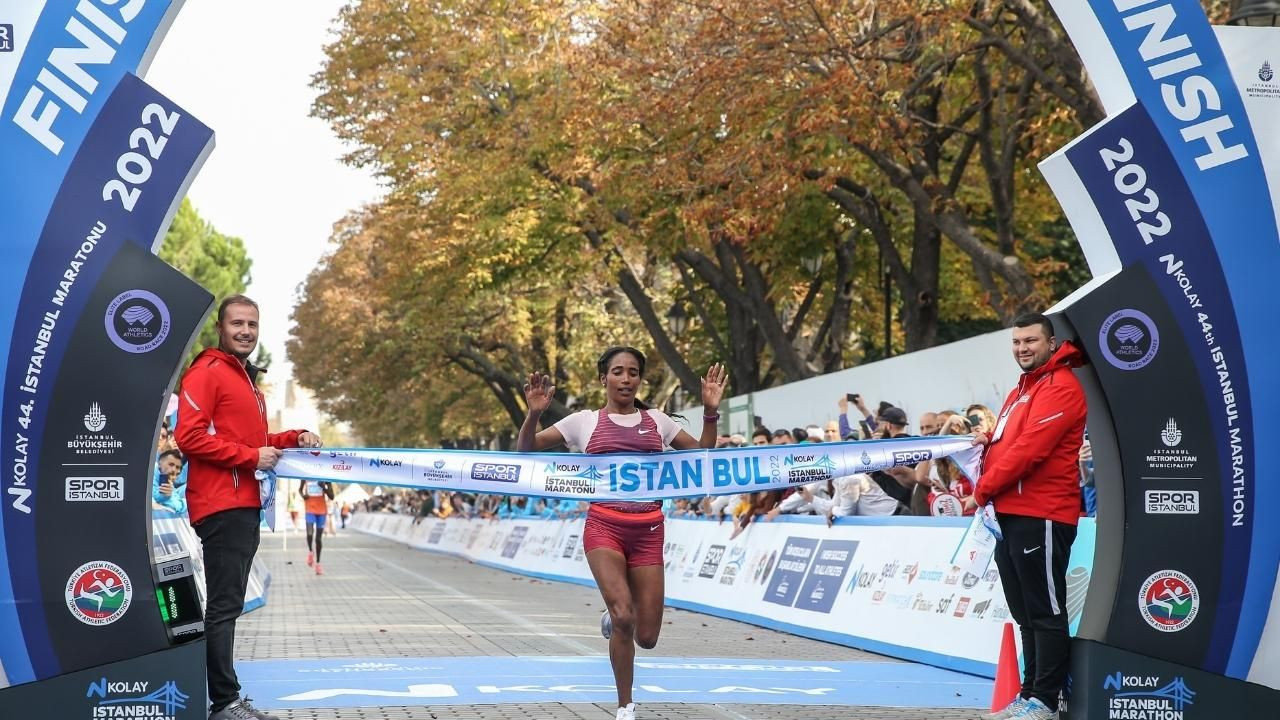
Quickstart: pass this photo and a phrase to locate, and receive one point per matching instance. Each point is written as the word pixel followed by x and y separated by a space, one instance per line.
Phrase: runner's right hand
pixel 539 392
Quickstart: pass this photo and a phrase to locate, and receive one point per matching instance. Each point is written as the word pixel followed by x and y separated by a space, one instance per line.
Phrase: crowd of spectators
pixel 169 485
pixel 936 487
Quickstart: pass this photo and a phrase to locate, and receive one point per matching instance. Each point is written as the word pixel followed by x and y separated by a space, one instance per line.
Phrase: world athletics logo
pixel 1129 339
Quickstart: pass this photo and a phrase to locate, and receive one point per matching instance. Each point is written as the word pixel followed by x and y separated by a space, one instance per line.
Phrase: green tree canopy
pixel 218 262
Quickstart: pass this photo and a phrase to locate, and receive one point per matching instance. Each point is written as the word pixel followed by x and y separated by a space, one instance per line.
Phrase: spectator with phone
pixel 169 490
pixel 866 421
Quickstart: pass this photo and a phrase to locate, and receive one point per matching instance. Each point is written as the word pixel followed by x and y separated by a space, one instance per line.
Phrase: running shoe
pixel 242 709
pixel 311 558
pixel 627 712
pixel 606 628
pixel 1009 711
pixel 318 570
pixel 1035 710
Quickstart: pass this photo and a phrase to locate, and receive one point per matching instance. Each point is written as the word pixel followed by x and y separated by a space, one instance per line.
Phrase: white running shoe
pixel 1035 710
pixel 626 713
pixel 1009 711
pixel 606 628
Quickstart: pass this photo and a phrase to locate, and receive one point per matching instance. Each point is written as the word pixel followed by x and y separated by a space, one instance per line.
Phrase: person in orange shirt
pixel 314 493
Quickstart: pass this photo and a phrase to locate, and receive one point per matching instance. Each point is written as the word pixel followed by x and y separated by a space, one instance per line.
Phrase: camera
pixel 852 397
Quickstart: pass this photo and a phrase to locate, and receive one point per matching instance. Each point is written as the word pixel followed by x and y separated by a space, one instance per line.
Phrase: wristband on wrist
pixel 711 418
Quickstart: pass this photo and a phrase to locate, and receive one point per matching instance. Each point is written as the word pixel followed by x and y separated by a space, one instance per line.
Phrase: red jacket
pixel 222 421
pixel 1033 469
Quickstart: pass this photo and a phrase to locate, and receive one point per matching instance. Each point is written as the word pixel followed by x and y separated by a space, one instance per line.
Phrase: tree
pixel 551 163
pixel 219 263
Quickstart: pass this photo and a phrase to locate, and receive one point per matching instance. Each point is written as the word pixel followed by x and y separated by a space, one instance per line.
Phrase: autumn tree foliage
pixel 562 173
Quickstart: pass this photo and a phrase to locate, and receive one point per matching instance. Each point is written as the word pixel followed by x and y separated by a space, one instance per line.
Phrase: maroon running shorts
pixel 638 536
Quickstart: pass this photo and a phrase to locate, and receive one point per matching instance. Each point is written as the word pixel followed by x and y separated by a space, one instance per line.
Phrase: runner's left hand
pixel 713 387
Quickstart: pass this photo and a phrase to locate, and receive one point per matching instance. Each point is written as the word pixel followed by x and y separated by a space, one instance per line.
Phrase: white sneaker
pixel 626 713
pixel 1009 711
pixel 606 628
pixel 1035 710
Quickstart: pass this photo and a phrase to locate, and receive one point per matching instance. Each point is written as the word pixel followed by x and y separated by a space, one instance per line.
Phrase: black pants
pixel 230 540
pixel 1032 559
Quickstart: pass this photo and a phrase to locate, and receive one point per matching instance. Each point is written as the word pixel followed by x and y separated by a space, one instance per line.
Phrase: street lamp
pixel 677 323
pixel 677 319
pixel 812 263
pixel 1255 13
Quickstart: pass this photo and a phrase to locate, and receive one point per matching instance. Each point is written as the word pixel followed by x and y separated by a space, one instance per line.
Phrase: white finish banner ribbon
pixel 625 477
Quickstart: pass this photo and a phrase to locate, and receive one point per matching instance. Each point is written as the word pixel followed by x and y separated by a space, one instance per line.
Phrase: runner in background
pixel 623 541
pixel 315 494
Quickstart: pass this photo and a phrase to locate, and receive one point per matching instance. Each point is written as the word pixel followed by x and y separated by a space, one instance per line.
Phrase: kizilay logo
pixel 130 700
pixel 1143 696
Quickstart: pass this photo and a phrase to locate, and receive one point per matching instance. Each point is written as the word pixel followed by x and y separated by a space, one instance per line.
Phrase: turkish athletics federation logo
pixel 1169 601
pixel 1171 436
pixel 99 593
pixel 1264 73
pixel 1129 339
pixel 95 420
pixel 137 321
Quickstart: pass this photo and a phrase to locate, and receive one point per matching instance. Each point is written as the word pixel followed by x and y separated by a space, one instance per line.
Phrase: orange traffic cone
pixel 1008 675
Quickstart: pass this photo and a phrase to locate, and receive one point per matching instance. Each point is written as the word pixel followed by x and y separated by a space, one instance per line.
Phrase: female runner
pixel 623 540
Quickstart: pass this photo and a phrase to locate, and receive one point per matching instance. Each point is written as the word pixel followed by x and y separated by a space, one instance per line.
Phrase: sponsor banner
pixel 119 191
pixel 1168 450
pixel 1112 684
pixel 67 58
pixel 164 685
pixel 884 584
pixel 88 447
pixel 624 477
pixel 1196 204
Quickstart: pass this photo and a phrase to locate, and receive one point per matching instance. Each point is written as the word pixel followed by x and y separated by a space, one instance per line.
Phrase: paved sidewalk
pixel 381 599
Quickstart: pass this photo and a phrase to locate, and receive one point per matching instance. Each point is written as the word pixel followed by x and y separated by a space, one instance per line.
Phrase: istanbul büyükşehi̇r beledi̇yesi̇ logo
pixel 1171 436
pixel 137 321
pixel 1264 73
pixel 1129 339
pixel 95 420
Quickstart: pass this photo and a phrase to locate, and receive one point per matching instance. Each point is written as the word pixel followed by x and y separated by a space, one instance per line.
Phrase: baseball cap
pixel 894 416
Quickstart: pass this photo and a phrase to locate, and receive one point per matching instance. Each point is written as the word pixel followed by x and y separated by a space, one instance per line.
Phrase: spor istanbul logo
pixel 99 593
pixel 1169 601
pixel 1129 339
pixel 137 321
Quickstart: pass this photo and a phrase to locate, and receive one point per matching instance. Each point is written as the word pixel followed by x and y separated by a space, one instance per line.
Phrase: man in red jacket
pixel 1030 474
pixel 222 429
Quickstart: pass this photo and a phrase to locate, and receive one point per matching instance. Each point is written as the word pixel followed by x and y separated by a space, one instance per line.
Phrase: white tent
pixel 351 495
